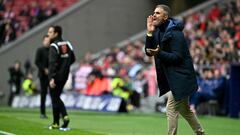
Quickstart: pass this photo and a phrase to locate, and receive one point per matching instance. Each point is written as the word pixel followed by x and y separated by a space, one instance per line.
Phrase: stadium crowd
pixel 214 43
pixel 125 71
pixel 18 16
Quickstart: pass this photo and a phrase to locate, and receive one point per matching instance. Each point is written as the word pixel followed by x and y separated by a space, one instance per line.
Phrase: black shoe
pixel 43 116
pixel 65 122
pixel 53 126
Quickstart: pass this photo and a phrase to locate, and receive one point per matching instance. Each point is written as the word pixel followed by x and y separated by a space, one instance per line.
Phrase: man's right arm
pixel 149 35
pixel 149 44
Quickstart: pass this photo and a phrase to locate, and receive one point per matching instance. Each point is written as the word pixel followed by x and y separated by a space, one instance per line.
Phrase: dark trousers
pixel 135 99
pixel 58 106
pixel 15 90
pixel 10 99
pixel 44 89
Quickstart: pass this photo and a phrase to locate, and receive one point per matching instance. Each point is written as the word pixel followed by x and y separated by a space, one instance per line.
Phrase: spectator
pixel 97 84
pixel 49 10
pixel 81 76
pixel 214 13
pixel 28 67
pixel 23 17
pixel 211 87
pixel 150 75
pixel 16 76
pixel 8 34
pixel 9 14
pixel 25 11
pixel 2 5
pixel 139 89
pixel 119 89
pixel 29 86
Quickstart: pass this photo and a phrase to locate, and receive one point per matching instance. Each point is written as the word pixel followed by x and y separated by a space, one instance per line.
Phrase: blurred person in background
pixel 8 34
pixel 25 11
pixel 50 10
pixel 1 5
pixel 165 41
pixel 120 89
pixel 97 84
pixel 16 76
pixel 85 68
pixel 28 67
pixel 140 87
pixel 61 56
pixel 41 61
pixel 29 86
pixel 211 87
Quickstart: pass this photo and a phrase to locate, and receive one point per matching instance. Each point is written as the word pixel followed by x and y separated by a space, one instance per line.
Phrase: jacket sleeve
pixel 73 57
pixel 178 49
pixel 38 60
pixel 149 44
pixel 53 59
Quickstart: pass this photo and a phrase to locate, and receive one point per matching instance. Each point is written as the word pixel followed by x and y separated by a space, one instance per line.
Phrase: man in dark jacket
pixel 175 73
pixel 16 76
pixel 61 57
pixel 41 61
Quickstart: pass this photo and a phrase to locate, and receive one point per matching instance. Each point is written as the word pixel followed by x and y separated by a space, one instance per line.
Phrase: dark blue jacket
pixel 174 65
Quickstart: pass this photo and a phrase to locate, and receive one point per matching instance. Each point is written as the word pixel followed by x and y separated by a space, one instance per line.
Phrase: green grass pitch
pixel 27 122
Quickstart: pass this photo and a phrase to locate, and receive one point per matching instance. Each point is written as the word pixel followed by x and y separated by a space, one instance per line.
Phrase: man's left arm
pixel 73 58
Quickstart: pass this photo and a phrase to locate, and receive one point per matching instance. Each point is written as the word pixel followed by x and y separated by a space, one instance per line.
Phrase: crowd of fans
pixel 122 71
pixel 18 16
pixel 214 41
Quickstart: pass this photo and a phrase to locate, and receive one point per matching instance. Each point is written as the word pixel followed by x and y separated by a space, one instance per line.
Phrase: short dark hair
pixel 58 29
pixel 165 8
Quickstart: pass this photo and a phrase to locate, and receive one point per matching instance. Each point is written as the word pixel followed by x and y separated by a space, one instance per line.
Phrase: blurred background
pixel 108 40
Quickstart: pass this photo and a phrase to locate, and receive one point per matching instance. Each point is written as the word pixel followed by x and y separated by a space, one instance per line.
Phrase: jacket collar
pixel 56 39
pixel 166 28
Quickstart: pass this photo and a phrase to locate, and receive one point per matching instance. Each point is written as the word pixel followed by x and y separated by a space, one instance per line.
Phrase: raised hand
pixel 150 26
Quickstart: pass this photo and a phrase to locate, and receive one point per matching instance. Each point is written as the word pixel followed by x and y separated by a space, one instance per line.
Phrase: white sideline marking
pixel 6 133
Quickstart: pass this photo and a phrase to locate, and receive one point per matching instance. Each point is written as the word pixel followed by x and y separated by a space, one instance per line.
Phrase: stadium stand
pixel 18 16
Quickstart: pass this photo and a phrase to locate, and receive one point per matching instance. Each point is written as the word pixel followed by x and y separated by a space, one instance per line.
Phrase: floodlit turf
pixel 27 122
